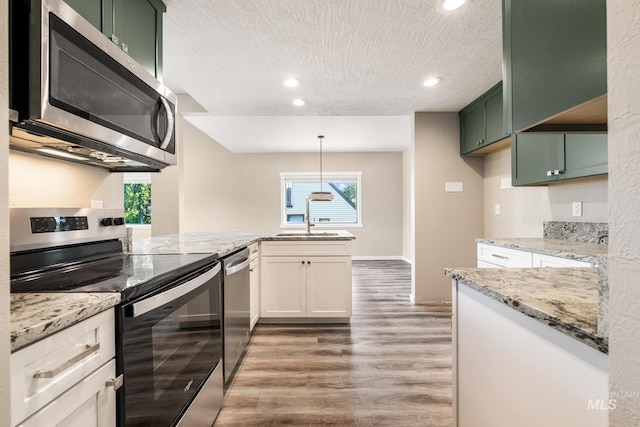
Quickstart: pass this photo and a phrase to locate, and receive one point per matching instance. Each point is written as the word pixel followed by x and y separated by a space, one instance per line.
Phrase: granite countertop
pixel 570 249
pixel 565 299
pixel 223 243
pixel 36 316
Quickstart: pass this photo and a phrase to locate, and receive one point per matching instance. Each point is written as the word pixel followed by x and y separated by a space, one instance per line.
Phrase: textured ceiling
pixel 353 57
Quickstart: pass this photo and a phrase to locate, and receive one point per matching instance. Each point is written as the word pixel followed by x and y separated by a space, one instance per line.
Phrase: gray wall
pixel 223 191
pixel 524 209
pixel 445 224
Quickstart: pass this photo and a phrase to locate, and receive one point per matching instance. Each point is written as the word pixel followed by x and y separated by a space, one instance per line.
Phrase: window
pixel 343 210
pixel 137 198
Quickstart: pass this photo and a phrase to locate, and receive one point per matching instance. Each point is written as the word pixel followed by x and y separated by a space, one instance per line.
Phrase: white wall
pixel 446 224
pixel 5 414
pixel 36 181
pixel 407 203
pixel 623 63
pixel 524 209
pixel 224 191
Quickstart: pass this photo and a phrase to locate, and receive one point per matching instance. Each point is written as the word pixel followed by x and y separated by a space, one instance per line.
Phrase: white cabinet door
pixel 284 290
pixel 90 403
pixel 254 292
pixel 554 261
pixel 329 286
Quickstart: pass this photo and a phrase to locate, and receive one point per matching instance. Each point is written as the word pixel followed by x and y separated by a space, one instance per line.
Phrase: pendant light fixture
pixel 321 196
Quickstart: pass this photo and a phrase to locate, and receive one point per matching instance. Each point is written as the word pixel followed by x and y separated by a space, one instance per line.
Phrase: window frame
pixel 137 178
pixel 355 176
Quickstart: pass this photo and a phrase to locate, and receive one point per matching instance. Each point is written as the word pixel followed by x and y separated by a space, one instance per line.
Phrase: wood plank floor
pixel 391 366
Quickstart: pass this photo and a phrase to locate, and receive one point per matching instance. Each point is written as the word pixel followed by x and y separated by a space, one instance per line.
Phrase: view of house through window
pixel 137 198
pixel 344 209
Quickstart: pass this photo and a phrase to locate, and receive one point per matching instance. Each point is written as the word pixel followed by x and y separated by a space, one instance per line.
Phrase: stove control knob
pixel 107 221
pixel 118 221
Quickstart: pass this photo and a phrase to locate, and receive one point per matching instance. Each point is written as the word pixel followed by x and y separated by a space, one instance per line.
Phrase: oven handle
pixel 234 268
pixel 151 303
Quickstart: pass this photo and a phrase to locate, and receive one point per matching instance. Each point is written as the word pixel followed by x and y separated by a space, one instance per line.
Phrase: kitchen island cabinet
pixel 134 25
pixel 302 280
pixel 519 358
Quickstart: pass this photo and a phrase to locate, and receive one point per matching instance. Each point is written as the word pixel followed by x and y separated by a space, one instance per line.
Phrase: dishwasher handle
pixel 151 303
pixel 235 267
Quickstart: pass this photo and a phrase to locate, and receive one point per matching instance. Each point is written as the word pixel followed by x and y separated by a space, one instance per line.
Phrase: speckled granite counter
pixel 587 252
pixel 36 316
pixel 223 243
pixel 565 299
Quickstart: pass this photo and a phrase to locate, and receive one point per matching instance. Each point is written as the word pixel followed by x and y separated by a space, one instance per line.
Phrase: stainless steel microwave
pixel 76 95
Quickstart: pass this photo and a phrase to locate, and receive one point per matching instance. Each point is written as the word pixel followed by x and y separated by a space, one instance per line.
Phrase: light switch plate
pixel 452 187
pixel 576 208
pixel 496 209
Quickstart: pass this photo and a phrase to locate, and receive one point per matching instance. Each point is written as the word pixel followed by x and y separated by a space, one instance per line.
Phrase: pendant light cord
pixel 321 137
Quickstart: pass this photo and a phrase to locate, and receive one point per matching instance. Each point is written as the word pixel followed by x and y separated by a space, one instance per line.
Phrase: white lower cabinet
pixel 511 370
pixel 254 284
pixel 303 285
pixel 67 379
pixel 490 256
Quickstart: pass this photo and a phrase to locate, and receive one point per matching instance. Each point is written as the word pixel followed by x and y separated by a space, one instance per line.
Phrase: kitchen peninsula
pixel 526 346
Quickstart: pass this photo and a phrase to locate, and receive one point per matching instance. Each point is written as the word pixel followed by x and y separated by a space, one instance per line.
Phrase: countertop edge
pixel 53 312
pixel 592 340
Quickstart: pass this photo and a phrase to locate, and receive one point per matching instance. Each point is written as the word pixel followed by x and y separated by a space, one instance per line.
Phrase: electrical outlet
pixel 576 208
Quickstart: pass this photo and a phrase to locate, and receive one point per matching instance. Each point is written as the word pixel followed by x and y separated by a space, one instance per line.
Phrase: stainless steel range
pixel 168 324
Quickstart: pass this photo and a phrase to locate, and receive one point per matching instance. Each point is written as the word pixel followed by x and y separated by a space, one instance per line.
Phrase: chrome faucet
pixel 308 220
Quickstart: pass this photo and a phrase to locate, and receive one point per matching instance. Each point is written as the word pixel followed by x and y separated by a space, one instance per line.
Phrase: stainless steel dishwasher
pixel 235 293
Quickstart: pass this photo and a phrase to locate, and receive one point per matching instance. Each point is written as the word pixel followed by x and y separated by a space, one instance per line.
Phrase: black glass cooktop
pixel 130 275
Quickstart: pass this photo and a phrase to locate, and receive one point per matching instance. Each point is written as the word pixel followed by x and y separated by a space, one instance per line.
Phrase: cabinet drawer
pixel 504 257
pixel 90 403
pixel 540 260
pixel 305 248
pixel 45 369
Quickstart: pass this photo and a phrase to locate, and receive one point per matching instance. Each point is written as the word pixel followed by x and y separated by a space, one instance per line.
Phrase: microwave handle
pixel 151 303
pixel 170 120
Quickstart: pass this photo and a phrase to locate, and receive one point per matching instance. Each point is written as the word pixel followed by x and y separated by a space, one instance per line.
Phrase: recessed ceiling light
pixel 298 102
pixel 292 82
pixel 432 81
pixel 452 4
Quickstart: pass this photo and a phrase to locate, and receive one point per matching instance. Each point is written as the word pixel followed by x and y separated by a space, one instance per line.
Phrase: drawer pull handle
pixel 66 365
pixel 116 383
pixel 499 256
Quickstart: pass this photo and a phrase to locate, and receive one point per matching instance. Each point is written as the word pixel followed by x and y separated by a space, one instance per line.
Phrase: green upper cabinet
pixel 481 122
pixel 555 58
pixel 541 158
pixel 134 25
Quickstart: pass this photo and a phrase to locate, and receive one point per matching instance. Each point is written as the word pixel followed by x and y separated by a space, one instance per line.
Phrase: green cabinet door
pixel 585 155
pixel 471 128
pixel 481 122
pixel 137 24
pixel 554 57
pixel 494 126
pixel 539 158
pixel 535 158
pixel 91 10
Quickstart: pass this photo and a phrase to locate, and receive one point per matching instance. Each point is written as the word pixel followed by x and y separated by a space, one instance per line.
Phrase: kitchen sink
pixel 304 233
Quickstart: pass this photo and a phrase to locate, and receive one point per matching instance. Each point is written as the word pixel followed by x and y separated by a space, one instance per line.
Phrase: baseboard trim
pixel 381 258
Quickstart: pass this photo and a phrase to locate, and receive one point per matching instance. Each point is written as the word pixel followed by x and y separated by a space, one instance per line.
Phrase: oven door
pixel 169 345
